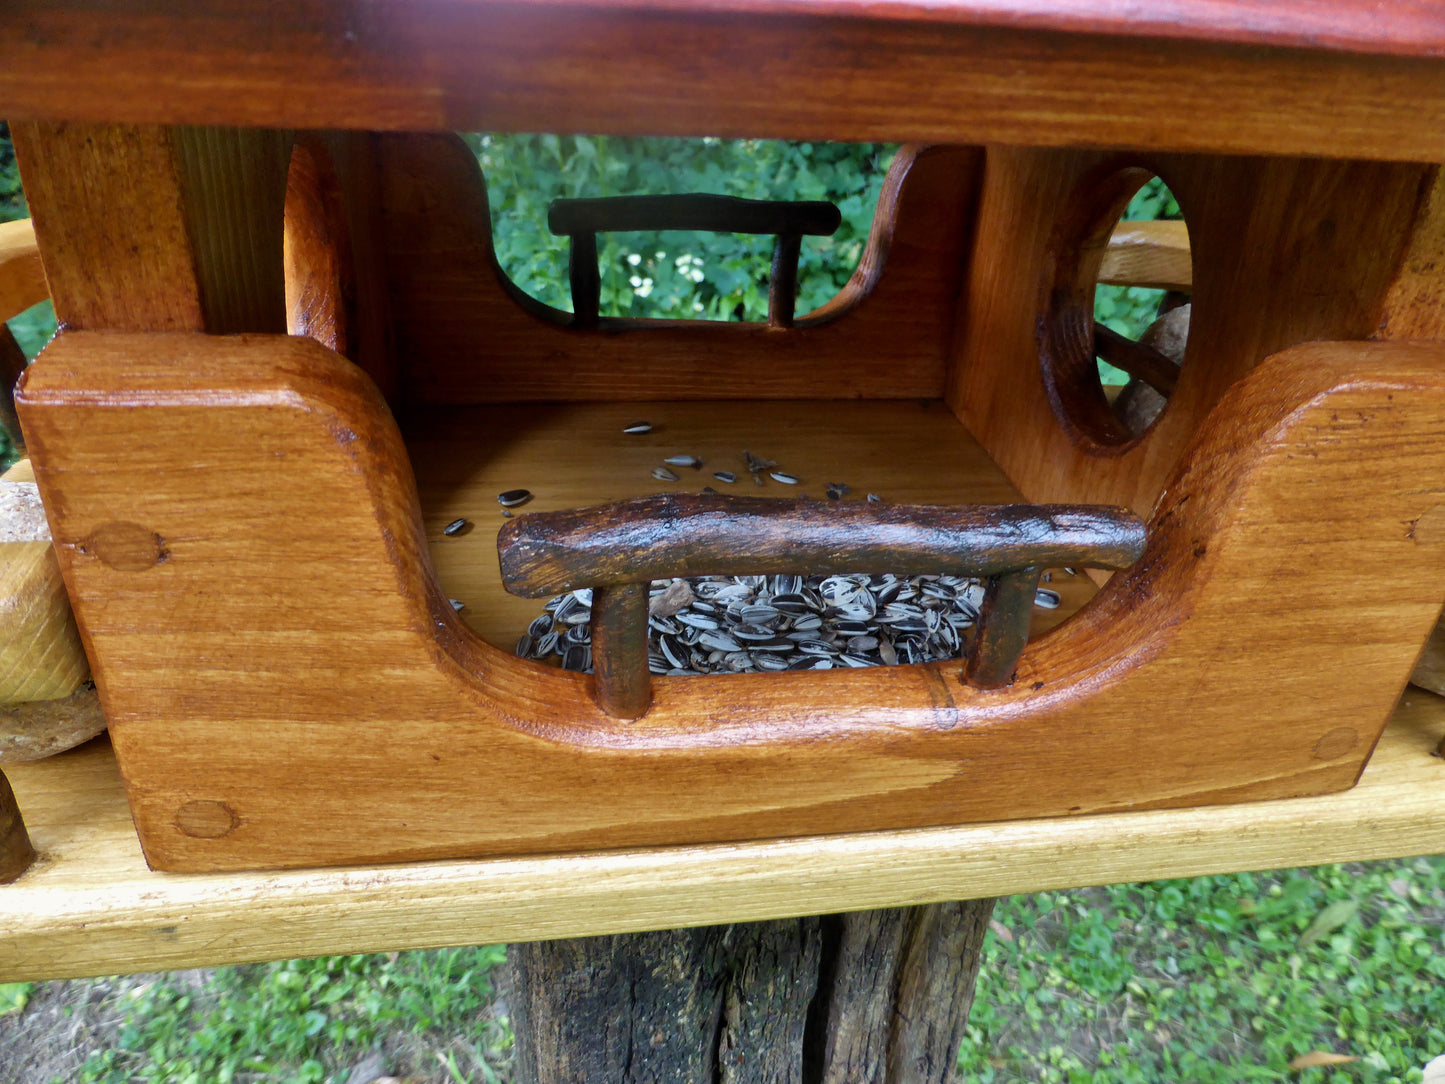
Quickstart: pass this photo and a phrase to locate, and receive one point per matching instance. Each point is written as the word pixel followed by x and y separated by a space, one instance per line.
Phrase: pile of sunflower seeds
pixel 747 624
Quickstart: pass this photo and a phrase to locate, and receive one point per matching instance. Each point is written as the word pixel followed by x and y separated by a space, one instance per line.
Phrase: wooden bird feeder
pixel 289 358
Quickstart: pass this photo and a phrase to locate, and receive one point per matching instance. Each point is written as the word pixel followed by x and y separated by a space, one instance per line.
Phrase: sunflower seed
pixel 662 474
pixel 725 476
pixel 784 477
pixel 748 624
pixel 457 605
pixel 524 647
pixel 512 497
pixel 456 527
pixel 684 461
pixel 1045 599
pixel 637 428
pixel 873 498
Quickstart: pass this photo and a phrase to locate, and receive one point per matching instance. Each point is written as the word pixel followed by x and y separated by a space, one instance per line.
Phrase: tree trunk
pixel 877 997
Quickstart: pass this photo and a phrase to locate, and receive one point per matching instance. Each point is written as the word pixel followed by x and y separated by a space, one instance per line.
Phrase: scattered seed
pixel 637 428
pixel 684 461
pixel 457 605
pixel 725 476
pixel 512 497
pixel 456 527
pixel 662 474
pixel 1045 599
pixel 873 498
pixel 784 477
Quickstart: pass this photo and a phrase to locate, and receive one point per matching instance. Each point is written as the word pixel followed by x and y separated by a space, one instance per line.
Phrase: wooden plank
pixel 1149 254
pixel 467 334
pixel 22 279
pixel 279 666
pixel 1292 82
pixel 187 224
pixel 92 907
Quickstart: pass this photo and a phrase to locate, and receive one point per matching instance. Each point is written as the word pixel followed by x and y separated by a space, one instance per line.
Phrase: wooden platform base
pixel 90 906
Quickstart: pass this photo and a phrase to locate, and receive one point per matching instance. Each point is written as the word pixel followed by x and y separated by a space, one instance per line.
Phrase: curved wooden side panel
pixel 466 335
pixel 287 687
pixel 1285 250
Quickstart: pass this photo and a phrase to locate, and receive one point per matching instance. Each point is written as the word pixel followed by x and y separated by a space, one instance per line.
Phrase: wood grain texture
pixel 186 222
pixel 1150 254
pixel 899 984
pixel 237 675
pixel 41 657
pixel 93 908
pixel 33 729
pixel 670 535
pixel 466 339
pixel 1238 78
pixel 875 997
pixel 16 852
pixel 1284 251
pixel 22 279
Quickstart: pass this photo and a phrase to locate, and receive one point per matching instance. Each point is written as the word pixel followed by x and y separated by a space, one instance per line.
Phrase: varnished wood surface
pixel 90 906
pixel 572 455
pixel 286 685
pixel 22 279
pixel 1283 251
pixel 465 334
pixel 1241 78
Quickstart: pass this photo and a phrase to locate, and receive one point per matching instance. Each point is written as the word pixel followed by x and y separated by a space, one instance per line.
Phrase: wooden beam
pixel 1219 77
pixel 1150 254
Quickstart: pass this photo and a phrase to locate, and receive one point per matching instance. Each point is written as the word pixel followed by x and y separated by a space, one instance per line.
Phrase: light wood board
pixel 89 906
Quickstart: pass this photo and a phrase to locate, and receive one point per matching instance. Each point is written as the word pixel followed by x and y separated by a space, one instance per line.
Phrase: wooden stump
pixel 876 997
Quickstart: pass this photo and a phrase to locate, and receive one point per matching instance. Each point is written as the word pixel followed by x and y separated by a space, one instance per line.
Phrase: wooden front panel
pixel 286 686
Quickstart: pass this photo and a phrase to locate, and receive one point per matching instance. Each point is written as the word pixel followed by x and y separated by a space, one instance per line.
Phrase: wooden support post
pixel 875 997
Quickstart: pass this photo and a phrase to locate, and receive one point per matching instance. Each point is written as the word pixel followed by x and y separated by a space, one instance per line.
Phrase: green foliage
pixel 14 996
pixel 1217 979
pixel 12 196
pixel 677 275
pixel 299 1020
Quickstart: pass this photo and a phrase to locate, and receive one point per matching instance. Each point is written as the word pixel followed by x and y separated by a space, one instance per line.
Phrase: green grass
pixel 1213 979
pixel 306 1020
pixel 1217 979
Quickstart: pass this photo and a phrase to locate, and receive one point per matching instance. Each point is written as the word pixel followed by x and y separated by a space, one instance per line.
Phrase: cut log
pixel 875 997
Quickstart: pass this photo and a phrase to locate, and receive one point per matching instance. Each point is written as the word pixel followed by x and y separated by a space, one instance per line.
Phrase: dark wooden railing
pixel 618 549
pixel 581 220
